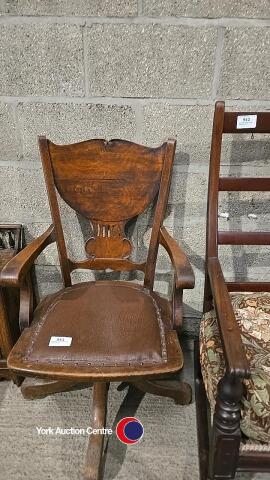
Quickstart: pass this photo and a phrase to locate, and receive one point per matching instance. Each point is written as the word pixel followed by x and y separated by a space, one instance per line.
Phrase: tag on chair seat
pixel 60 341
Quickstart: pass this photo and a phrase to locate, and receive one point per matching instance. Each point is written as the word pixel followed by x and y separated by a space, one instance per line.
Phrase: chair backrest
pixel 233 123
pixel 109 183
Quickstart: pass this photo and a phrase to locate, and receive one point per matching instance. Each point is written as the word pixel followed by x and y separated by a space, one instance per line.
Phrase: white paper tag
pixel 246 121
pixel 60 341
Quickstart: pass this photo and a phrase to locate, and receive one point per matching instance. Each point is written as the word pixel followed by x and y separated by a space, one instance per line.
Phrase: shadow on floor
pixel 115 451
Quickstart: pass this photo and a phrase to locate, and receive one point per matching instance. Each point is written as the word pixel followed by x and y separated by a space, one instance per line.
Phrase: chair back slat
pixel 243 238
pixel 105 181
pixel 246 122
pixel 248 286
pixel 244 184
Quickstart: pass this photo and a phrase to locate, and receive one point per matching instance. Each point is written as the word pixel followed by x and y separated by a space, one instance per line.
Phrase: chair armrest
pixel 17 268
pixel 233 348
pixel 184 276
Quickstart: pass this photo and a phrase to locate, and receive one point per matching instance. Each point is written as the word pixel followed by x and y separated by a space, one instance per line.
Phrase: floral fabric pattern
pixel 252 311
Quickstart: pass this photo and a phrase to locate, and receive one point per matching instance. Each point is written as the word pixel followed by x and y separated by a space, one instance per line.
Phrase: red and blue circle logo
pixel 129 430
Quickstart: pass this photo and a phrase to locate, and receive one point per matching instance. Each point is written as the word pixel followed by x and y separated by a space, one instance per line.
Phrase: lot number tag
pixel 60 341
pixel 246 121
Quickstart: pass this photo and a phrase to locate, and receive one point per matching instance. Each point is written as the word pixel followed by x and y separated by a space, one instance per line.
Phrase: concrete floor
pixel 168 450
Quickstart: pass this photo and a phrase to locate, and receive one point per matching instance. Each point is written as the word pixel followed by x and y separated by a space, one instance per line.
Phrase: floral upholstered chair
pixel 233 363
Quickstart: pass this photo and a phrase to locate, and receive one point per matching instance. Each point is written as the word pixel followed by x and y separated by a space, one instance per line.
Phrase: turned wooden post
pixel 226 433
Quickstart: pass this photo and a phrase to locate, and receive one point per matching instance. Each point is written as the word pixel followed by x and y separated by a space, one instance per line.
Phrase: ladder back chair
pixel 104 331
pixel 232 371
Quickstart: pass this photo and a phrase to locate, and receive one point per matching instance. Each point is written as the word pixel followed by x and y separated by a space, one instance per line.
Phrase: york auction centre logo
pixel 129 430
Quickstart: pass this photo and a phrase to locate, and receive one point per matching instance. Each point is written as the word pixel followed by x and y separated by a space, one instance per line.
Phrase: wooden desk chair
pixel 113 330
pixel 232 374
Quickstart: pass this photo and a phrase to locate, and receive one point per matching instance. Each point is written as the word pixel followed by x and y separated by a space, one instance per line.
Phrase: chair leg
pixel 95 446
pixel 33 388
pixel 181 392
pixel 201 415
pixel 226 433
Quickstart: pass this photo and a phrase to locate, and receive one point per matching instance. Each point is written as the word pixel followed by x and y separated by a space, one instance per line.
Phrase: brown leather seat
pixel 113 326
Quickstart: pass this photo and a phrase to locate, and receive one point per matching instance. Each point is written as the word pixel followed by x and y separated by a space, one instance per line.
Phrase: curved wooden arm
pixel 184 276
pixel 16 269
pixel 234 352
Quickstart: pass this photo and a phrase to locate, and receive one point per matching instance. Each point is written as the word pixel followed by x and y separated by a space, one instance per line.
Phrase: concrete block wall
pixel 141 70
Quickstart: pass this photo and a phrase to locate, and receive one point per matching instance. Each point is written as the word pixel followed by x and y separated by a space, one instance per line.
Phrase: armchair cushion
pixel 252 311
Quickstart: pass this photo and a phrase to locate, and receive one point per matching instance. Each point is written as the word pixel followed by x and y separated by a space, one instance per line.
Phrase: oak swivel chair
pixel 110 331
pixel 232 375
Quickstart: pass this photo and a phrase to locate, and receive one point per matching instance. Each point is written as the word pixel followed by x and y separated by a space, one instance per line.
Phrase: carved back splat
pixel 108 241
pixel 109 183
